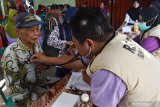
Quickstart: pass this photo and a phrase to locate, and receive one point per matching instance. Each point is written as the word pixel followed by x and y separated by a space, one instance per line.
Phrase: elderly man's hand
pixel 38 57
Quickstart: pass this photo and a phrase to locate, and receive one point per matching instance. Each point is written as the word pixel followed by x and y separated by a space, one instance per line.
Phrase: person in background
pixel 41 11
pixel 9 6
pixel 42 32
pixel 150 28
pixel 51 18
pixel 69 13
pixel 57 39
pixel 19 6
pixel 133 13
pixel 31 11
pixel 84 4
pixel 156 5
pixel 114 82
pixel 38 11
pixel 10 27
pixel 23 78
pixel 50 23
pixel 103 8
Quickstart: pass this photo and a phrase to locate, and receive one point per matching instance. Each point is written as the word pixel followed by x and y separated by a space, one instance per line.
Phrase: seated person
pixel 25 84
pixel 133 13
pixel 156 5
pixel 10 26
pixel 19 6
pixel 150 30
pixel 103 8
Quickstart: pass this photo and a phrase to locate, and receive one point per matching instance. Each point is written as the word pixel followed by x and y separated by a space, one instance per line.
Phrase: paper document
pixel 76 79
pixel 67 100
pixel 126 29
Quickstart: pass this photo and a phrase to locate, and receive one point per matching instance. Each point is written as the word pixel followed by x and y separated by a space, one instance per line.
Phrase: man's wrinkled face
pixel 29 35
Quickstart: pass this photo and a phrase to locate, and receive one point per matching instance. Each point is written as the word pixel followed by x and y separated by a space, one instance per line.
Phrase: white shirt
pixel 128 19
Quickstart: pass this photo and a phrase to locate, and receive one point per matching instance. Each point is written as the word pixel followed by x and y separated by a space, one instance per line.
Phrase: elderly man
pixel 22 79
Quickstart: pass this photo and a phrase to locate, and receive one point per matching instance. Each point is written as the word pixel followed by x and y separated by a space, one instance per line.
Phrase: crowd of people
pixel 120 71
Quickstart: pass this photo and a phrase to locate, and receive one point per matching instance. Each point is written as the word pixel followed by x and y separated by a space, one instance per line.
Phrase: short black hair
pixel 90 23
pixel 61 6
pixel 48 7
pixel 54 6
pixel 67 5
pixel 136 1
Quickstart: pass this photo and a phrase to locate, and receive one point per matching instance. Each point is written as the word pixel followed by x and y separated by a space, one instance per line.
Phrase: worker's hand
pixel 69 43
pixel 39 57
pixel 70 48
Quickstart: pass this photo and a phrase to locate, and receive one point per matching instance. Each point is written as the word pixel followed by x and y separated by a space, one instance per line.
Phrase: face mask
pixel 143 26
pixel 89 52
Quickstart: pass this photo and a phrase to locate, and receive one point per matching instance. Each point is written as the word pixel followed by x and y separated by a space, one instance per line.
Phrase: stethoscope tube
pixel 75 57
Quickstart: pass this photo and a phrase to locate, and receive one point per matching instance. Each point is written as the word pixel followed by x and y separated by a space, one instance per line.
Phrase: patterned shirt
pixel 56 42
pixel 51 22
pixel 54 34
pixel 21 78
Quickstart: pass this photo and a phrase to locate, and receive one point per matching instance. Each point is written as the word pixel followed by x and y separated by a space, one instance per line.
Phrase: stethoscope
pixel 74 58
pixel 78 56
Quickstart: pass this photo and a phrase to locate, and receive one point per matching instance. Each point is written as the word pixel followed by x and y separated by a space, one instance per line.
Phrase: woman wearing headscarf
pixel 10 26
pixel 150 27
pixel 133 13
pixel 156 5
